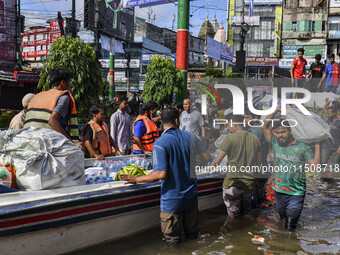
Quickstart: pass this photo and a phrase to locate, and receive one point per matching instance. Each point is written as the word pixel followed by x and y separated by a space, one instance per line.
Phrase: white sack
pixel 310 128
pixel 320 99
pixel 43 158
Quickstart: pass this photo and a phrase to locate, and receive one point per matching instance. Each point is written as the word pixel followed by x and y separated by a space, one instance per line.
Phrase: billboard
pixel 250 20
pixel 260 61
pixel 118 24
pixel 219 51
pixel 334 3
pixel 146 3
pixel 7 30
pixel 146 58
pixel 265 2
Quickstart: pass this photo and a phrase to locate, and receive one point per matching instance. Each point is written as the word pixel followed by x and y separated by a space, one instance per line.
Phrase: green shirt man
pixel 289 166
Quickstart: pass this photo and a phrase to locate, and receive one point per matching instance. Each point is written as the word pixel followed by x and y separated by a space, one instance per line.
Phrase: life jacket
pixel 100 140
pixel 151 135
pixel 40 109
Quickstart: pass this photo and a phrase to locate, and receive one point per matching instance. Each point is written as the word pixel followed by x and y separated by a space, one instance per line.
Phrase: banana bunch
pixel 131 169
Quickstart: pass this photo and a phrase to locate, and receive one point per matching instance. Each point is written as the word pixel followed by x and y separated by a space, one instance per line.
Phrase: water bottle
pixel 145 164
pixel 138 162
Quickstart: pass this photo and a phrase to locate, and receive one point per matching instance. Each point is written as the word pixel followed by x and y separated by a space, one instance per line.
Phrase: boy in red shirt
pixel 297 70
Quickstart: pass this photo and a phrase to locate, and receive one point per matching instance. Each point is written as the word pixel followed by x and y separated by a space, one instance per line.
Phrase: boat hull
pixel 75 220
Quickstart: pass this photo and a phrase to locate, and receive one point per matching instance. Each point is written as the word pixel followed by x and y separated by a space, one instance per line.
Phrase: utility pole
pixel 112 69
pixel 74 25
pixel 96 28
pixel 241 54
pixel 18 53
pixel 182 44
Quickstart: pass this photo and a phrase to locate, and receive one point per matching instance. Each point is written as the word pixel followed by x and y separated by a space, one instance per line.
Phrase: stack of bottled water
pixel 106 170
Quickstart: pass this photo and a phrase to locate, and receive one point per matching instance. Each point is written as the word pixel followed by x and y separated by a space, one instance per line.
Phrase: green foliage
pixel 5 119
pixel 74 54
pixel 162 82
pixel 213 73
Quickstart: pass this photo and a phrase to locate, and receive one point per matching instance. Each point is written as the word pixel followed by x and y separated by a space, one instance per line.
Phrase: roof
pixel 206 30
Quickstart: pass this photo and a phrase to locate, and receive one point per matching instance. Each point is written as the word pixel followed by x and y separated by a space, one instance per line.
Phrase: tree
pixel 87 82
pixel 163 81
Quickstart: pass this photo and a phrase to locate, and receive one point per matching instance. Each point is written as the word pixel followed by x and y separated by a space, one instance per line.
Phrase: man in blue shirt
pixel 173 158
pixel 144 131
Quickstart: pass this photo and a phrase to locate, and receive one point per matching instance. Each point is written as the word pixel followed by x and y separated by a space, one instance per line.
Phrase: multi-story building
pixel 262 42
pixel 333 40
pixel 304 26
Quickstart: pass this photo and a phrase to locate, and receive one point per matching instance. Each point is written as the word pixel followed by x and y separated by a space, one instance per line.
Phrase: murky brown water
pixel 318 231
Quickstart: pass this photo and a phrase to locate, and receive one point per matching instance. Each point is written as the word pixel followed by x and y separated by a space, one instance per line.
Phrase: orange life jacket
pixel 100 140
pixel 151 135
pixel 40 109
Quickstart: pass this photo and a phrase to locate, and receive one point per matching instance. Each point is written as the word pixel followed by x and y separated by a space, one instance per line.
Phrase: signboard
pixel 7 30
pixel 334 34
pixel 120 63
pixel 290 50
pixel 278 32
pixel 265 2
pixel 146 58
pixel 146 3
pixel 36 43
pixel 121 88
pixel 121 26
pixel 260 61
pixel 252 21
pixel 334 3
pixel 287 63
pixel 219 51
pixel 34 54
pixel 26 77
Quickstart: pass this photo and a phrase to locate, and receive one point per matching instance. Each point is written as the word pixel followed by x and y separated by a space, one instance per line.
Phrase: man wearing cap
pixel 18 121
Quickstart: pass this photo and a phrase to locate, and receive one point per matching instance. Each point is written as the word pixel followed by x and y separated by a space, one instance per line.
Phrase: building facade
pixel 333 40
pixel 263 40
pixel 304 26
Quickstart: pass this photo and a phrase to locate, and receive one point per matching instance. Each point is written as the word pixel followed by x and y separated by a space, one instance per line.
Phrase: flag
pixel 251 6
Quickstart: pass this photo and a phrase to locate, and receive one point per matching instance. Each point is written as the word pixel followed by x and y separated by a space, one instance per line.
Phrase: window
pixel 294 26
pixel 313 26
pixel 323 25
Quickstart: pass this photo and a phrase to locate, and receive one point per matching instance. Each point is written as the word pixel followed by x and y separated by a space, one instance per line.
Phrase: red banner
pixel 36 43
pixel 54 37
pixel 34 54
pixel 260 61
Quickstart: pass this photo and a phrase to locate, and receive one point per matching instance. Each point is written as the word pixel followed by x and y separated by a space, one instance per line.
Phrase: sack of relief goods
pixel 318 100
pixel 309 128
pixel 43 158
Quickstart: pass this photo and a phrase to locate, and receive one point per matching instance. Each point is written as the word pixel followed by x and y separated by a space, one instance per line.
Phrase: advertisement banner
pixel 265 2
pixel 287 63
pixel 290 50
pixel 219 51
pixel 54 37
pixel 278 32
pixel 260 61
pixel 118 24
pixel 251 20
pixel 145 3
pixel 120 63
pixel 334 34
pixel 7 30
pixel 146 58
pixel 334 3
pixel 36 43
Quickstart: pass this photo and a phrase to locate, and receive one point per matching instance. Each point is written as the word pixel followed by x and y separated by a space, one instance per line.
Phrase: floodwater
pixel 318 231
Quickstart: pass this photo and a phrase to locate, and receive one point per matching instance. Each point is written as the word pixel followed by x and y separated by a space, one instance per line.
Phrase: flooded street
pixel 318 231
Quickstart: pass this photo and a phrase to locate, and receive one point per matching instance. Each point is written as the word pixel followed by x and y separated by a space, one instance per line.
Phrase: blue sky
pixel 37 11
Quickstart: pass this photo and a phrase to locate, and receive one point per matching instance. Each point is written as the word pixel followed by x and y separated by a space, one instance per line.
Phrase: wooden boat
pixel 63 220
